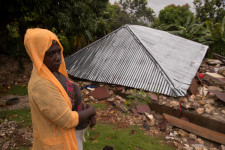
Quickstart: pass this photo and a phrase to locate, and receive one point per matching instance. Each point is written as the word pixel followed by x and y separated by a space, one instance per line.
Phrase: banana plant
pixel 215 37
pixel 190 30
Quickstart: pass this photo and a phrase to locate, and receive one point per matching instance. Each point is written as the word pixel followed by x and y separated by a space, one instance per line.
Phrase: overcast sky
pixel 158 5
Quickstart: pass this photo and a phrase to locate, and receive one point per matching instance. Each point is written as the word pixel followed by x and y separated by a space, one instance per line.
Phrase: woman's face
pixel 53 57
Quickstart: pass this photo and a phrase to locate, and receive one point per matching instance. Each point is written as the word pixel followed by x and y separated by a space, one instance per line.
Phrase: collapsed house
pixel 140 57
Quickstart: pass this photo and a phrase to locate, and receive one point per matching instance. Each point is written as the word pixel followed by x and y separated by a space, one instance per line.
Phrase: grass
pixel 131 138
pixel 21 116
pixel 104 135
pixel 100 106
pixel 18 90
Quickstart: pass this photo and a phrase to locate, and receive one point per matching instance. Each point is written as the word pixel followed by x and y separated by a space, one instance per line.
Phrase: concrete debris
pixel 200 110
pixel 100 93
pixel 203 91
pixel 150 119
pixel 210 101
pixel 221 71
pixel 192 136
pixel 222 147
pixel 213 61
pixel 143 108
pixel 215 79
pixel 183 133
pixel 219 95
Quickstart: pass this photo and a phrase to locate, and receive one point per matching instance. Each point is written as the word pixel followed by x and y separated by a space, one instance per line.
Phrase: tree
pixel 138 10
pixel 215 37
pixel 213 10
pixel 176 15
pixel 190 30
pixel 69 18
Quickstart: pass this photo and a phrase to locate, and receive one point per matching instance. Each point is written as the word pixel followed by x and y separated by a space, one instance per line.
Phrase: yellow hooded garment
pixel 52 116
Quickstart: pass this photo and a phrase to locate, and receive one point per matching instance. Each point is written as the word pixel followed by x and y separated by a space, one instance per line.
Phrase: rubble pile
pixel 127 106
pixel 205 101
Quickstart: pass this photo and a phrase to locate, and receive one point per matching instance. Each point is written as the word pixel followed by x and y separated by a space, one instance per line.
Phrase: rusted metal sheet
pixel 198 130
pixel 140 57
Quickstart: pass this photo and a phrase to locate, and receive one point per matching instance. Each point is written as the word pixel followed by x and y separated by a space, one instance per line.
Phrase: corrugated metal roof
pixel 140 57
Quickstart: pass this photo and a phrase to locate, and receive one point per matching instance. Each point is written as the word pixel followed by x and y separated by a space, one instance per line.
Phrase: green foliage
pixel 103 135
pixel 213 10
pixel 215 37
pixel 138 10
pixel 174 15
pixel 17 90
pixel 138 96
pixel 21 116
pixel 100 106
pixel 190 30
pixel 68 18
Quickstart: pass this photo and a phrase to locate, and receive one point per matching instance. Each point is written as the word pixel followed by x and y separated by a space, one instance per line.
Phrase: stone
pixel 223 111
pixel 90 89
pixel 198 146
pixel 210 101
pixel 185 100
pixel 100 93
pixel 87 83
pixel 208 110
pixel 192 136
pixel 217 65
pixel 212 95
pixel 118 97
pixel 110 99
pixel 200 110
pixel 200 141
pixel 86 99
pixel 214 88
pixel 174 103
pixel 213 148
pixel 222 147
pixel 215 79
pixel 143 108
pixel 183 133
pixel 203 91
pixel 91 98
pixel 207 106
pixel 201 102
pixel 187 106
pixel 198 97
pixel 150 118
pixel 129 91
pixel 153 96
pixel 192 98
pixel 111 92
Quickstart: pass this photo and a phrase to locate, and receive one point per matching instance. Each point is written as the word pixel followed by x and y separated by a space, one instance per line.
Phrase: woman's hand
pixel 85 114
pixel 91 109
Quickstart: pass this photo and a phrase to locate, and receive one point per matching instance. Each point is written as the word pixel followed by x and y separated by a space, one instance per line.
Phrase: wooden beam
pixel 198 130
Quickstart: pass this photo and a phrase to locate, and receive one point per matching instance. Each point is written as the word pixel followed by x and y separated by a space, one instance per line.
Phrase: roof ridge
pixel 163 71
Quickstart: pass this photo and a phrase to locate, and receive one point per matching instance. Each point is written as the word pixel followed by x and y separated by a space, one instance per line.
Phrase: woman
pixel 53 120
